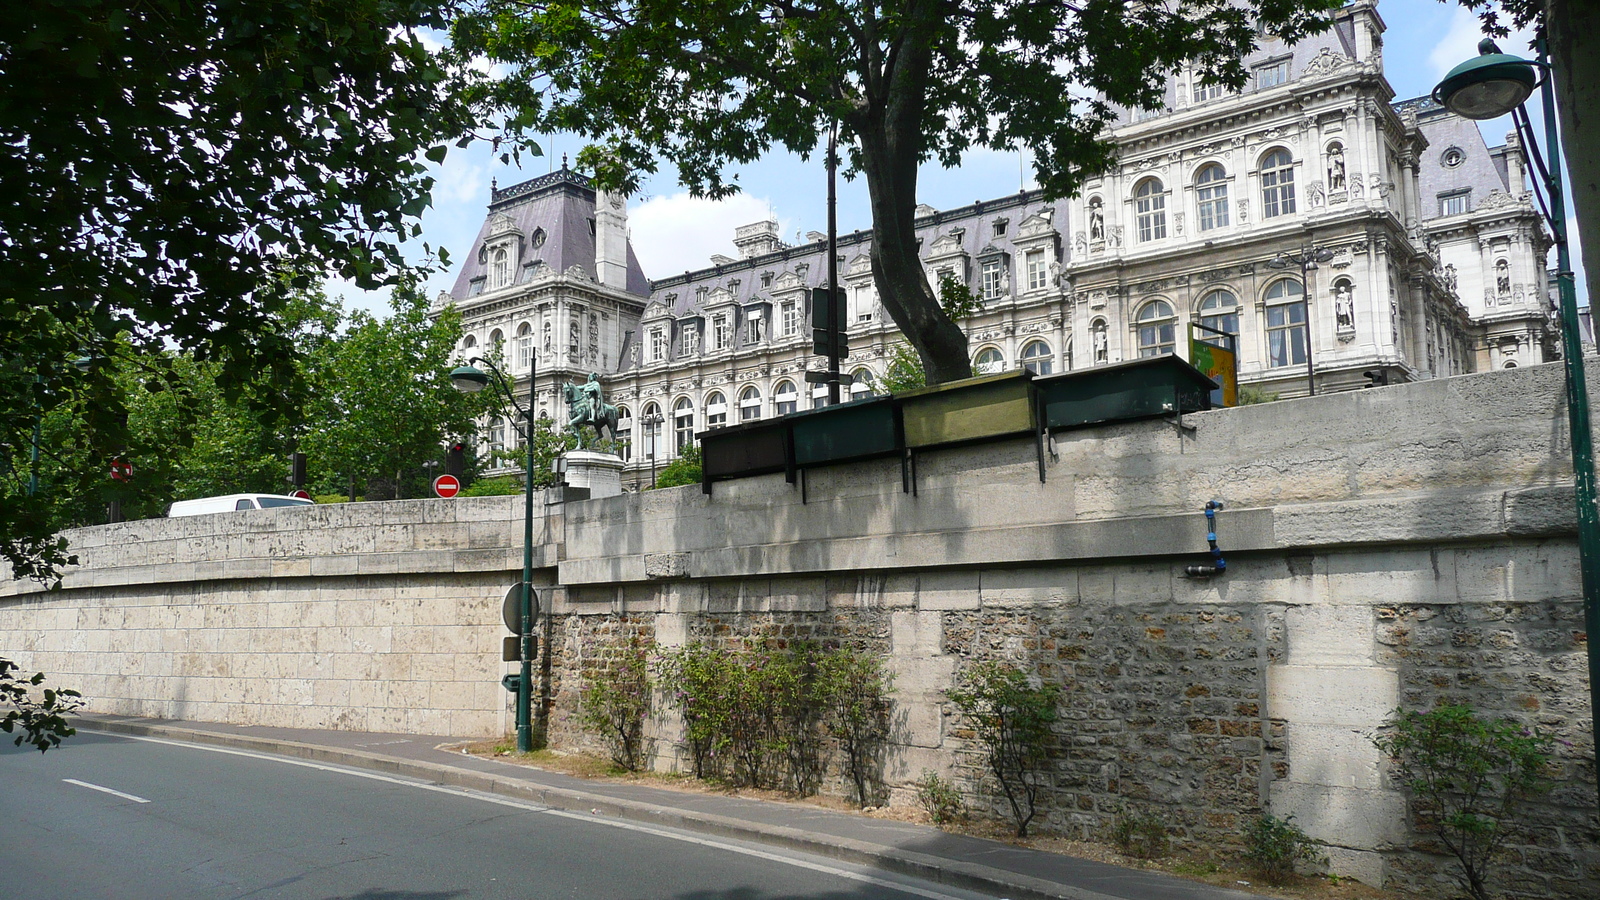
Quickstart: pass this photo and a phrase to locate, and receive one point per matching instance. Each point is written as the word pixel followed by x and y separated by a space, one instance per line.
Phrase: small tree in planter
pixel 1012 720
pixel 1467 777
pixel 615 702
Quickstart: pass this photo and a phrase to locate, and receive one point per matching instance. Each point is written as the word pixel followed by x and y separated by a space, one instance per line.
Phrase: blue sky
pixel 673 232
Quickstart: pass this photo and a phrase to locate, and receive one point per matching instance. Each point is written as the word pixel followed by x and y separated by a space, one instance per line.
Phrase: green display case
pixel 744 450
pixel 972 409
pixel 1141 389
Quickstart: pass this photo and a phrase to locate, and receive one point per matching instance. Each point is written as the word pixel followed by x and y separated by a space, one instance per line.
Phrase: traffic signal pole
pixel 835 327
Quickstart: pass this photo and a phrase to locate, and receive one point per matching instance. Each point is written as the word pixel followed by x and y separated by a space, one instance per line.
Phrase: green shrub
pixel 1274 846
pixel 938 797
pixel 1142 835
pixel 615 702
pixel 683 470
pixel 1468 778
pixel 856 689
pixel 1012 720
pixel 498 486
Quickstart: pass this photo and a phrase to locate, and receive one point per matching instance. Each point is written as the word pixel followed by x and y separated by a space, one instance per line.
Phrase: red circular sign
pixel 302 493
pixel 121 470
pixel 447 486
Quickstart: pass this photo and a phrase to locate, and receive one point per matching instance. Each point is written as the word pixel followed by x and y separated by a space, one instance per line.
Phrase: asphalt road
pixel 133 818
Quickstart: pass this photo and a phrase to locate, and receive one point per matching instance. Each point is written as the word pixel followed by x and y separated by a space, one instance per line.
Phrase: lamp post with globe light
pixel 471 379
pixel 1487 87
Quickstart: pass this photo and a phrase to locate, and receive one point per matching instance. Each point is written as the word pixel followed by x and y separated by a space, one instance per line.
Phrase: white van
pixel 231 502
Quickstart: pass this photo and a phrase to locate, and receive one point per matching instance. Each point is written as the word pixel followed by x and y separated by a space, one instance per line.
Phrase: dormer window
pixel 754 326
pixel 700 294
pixel 689 345
pixel 499 268
pixel 1000 227
pixel 766 279
pixel 721 334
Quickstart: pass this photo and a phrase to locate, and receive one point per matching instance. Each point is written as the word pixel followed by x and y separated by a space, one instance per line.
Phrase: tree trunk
pixel 1575 54
pixel 889 127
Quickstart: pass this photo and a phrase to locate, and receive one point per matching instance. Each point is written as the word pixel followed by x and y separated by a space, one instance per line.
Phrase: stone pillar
pixel 601 473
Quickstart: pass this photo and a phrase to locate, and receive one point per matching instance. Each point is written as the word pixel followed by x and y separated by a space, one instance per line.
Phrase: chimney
pixel 611 239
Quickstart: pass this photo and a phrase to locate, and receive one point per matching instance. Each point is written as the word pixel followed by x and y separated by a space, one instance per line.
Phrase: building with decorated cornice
pixel 1426 259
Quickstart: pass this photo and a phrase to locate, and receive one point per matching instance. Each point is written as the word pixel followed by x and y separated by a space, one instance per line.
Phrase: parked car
pixel 231 502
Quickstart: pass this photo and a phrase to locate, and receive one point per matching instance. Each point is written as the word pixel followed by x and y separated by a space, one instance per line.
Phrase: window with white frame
pixel 989 361
pixel 785 399
pixel 500 269
pixel 1038 358
pixel 992 280
pixel 625 432
pixel 789 318
pixel 689 338
pixel 1211 193
pixel 1453 204
pixel 652 431
pixel 721 333
pixel 700 294
pixel 819 396
pixel 1150 210
pixel 658 344
pixel 1272 74
pixel 716 410
pixel 1157 327
pixel 524 346
pixel 754 326
pixel 1204 90
pixel 1286 324
pixel 683 423
pixel 749 404
pixel 1277 184
pixel 469 342
pixel 1038 270
pixel 1220 310
pixel 862 384
pixel 497 434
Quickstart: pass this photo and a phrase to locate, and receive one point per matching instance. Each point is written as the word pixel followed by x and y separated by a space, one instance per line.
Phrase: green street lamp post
pixel 1488 87
pixel 470 379
pixel 1307 260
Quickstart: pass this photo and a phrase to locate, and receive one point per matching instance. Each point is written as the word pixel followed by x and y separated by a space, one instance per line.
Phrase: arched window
pixel 1037 358
pixel 819 396
pixel 652 430
pixel 1150 206
pixel 749 404
pixel 497 433
pixel 468 342
pixel 1220 310
pixel 1211 191
pixel 785 398
pixel 497 341
pixel 625 432
pixel 1277 184
pixel 683 423
pixel 500 273
pixel 716 410
pixel 524 346
pixel 1158 328
pixel 861 383
pixel 1286 324
pixel 989 361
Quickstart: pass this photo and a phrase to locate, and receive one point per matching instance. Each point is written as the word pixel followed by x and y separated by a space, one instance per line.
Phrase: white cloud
pixel 677 232
pixel 1460 43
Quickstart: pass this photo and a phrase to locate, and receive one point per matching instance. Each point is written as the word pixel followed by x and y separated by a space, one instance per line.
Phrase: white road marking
pixel 532 807
pixel 96 787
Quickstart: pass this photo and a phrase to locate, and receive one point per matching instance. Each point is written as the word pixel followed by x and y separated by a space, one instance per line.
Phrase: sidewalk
pixel 976 864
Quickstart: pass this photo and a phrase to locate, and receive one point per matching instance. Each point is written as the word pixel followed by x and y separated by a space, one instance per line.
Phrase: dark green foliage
pixel 175 170
pixel 39 721
pixel 1468 778
pixel 1274 846
pixel 683 470
pixel 1142 835
pixel 1011 719
pixel 856 690
pixel 616 700
pixel 904 371
pixel 498 486
pixel 939 798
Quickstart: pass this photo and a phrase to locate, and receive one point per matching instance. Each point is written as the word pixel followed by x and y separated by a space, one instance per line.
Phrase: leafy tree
pixel 166 162
pixel 710 83
pixel 1011 719
pixel 904 371
pixel 38 721
pixel 681 471
pixel 384 400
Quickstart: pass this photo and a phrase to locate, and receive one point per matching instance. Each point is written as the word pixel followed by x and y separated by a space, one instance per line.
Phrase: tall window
pixel 721 334
pixel 1211 190
pixel 689 341
pixel 785 398
pixel 497 343
pixel 989 361
pixel 1158 328
pixel 683 423
pixel 497 433
pixel 991 279
pixel 658 344
pixel 749 404
pixel 652 430
pixel 1286 324
pixel 716 410
pixel 625 432
pixel 500 273
pixel 1038 271
pixel 1150 206
pixel 1037 358
pixel 754 323
pixel 789 317
pixel 1220 310
pixel 1277 184
pixel 524 346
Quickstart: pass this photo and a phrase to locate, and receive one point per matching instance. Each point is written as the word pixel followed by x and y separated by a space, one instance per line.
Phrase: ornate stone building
pixel 1427 260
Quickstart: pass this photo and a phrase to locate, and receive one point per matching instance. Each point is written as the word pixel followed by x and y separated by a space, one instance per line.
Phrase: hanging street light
pixel 469 379
pixel 1488 87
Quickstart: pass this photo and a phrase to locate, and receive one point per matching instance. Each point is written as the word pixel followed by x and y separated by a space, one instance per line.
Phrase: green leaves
pixel 40 722
pixel 1012 720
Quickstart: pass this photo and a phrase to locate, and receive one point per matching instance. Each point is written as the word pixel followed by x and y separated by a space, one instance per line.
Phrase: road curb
pixel 953 873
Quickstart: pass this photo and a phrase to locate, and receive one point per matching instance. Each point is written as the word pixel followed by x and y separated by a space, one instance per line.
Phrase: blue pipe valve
pixel 1218 565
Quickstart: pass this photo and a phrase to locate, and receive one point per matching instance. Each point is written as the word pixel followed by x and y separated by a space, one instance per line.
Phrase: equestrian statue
pixel 586 405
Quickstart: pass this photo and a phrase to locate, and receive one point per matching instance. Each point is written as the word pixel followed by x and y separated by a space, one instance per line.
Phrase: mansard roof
pixel 561 206
pixel 1481 169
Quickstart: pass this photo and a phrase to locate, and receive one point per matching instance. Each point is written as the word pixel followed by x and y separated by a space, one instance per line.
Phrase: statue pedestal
pixel 601 473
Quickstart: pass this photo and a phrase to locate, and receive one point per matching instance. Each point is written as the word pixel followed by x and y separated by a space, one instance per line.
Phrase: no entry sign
pixel 447 486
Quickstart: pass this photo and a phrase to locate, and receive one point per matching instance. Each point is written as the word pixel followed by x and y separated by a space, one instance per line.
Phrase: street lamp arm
pixel 503 385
